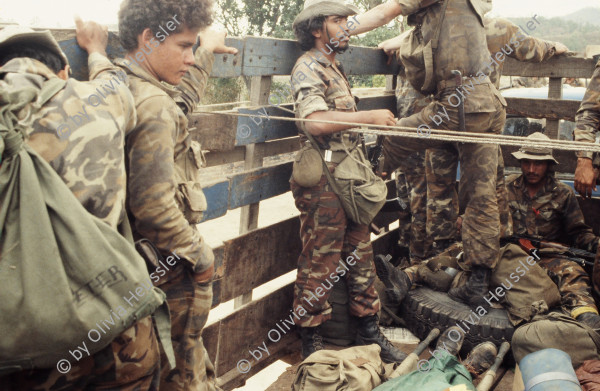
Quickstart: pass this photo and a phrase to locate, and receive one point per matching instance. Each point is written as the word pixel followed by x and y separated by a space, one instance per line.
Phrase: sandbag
pixel 556 331
pixel 66 277
pixel 354 369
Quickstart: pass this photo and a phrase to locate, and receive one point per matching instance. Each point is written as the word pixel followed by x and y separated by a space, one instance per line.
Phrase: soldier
pixel 545 208
pixel 321 92
pixel 165 198
pixel 502 37
pixel 588 123
pixel 73 135
pixel 461 46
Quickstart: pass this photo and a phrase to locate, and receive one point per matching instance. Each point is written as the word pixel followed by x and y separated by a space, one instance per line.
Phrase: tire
pixel 424 309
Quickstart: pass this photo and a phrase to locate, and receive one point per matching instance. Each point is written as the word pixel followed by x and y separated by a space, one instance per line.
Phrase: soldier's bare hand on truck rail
pixel 381 117
pixel 214 41
pixel 91 36
pixel 585 178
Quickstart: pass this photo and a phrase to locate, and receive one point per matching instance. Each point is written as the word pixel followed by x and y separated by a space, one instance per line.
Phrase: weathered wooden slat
pixel 559 66
pixel 543 108
pixel 259 184
pixel 217 196
pixel 268 252
pixel 214 131
pixel 270 56
pixel 269 148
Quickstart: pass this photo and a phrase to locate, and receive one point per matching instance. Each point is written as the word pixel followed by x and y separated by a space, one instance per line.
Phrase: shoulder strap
pixel 436 35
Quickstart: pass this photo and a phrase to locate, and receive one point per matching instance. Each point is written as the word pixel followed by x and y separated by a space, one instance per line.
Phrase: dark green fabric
pixel 444 371
pixel 56 259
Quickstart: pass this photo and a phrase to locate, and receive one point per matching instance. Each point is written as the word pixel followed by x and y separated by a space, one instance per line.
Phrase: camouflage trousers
pixel 189 305
pixel 479 165
pixel 332 247
pixel 129 363
pixel 443 201
pixel 412 189
pixel 573 284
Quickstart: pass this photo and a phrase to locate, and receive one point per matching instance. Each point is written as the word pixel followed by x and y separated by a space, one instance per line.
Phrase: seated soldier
pixel 545 208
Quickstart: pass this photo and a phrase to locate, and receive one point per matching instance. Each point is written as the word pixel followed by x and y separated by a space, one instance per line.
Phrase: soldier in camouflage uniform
pixel 84 142
pixel 587 125
pixel 333 245
pixel 545 208
pixel 461 46
pixel 165 199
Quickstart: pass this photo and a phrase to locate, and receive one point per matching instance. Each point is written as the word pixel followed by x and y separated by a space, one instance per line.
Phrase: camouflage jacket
pixel 502 37
pixel 553 214
pixel 318 86
pixel 165 199
pixel 81 131
pixel 588 115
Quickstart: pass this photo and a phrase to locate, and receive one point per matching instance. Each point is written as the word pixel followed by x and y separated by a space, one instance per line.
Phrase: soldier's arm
pixel 528 48
pixel 578 231
pixel 151 184
pixel 587 124
pixel 378 16
pixel 194 82
pixel 311 104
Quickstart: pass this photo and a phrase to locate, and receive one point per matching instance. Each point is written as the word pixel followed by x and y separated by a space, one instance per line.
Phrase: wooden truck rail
pixel 258 256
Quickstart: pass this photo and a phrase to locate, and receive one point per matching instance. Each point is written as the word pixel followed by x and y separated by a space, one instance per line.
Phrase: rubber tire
pixel 424 309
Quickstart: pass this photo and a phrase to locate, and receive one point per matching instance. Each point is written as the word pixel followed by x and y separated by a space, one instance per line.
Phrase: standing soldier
pixel 588 124
pixel 457 31
pixel 84 144
pixel 165 199
pixel 544 208
pixel 322 92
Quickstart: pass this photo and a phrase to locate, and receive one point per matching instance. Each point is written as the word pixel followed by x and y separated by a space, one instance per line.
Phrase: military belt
pixel 452 83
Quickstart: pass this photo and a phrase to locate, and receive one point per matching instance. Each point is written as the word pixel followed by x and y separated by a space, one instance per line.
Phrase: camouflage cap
pixel 19 34
pixel 314 8
pixel 534 153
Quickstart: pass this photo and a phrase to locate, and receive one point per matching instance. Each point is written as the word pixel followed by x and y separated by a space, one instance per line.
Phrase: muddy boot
pixel 451 340
pixel 369 333
pixel 397 284
pixel 311 340
pixel 474 291
pixel 481 358
pixel 591 319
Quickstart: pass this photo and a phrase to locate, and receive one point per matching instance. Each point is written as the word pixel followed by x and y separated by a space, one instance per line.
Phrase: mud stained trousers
pixel 328 237
pixel 479 165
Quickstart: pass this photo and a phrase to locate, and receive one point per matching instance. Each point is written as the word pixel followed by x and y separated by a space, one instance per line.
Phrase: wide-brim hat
pixel 19 34
pixel 535 153
pixel 313 8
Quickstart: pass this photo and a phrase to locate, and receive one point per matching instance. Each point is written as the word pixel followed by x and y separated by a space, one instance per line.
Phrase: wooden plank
pixel 271 56
pixel 214 131
pixel 559 66
pixel 554 92
pixel 270 148
pixel 268 253
pixel 217 196
pixel 553 109
pixel 226 65
pixel 260 184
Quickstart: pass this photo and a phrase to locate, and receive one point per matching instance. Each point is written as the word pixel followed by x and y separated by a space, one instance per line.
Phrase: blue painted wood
pixel 260 184
pixel 217 197
pixel 251 130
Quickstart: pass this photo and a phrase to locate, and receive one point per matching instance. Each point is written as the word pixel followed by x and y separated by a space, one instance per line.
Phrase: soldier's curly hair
pixel 137 15
pixel 304 29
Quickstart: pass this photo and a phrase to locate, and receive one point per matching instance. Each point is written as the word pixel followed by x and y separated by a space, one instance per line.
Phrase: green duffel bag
pixel 67 279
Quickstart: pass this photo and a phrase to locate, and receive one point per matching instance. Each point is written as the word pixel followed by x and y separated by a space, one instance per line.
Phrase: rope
pixel 443 135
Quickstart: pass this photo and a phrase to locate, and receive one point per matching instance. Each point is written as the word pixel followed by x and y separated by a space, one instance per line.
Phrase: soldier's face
pixel 534 170
pixel 335 33
pixel 172 58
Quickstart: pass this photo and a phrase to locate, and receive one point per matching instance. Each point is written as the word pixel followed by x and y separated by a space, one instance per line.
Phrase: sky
pixel 59 13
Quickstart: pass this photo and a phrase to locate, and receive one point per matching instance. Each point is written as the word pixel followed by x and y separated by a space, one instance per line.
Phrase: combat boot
pixel 369 333
pixel 591 319
pixel 397 284
pixel 451 340
pixel 474 291
pixel 481 358
pixel 311 340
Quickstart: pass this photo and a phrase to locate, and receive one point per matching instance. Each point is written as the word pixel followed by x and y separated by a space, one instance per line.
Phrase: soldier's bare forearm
pixel 376 17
